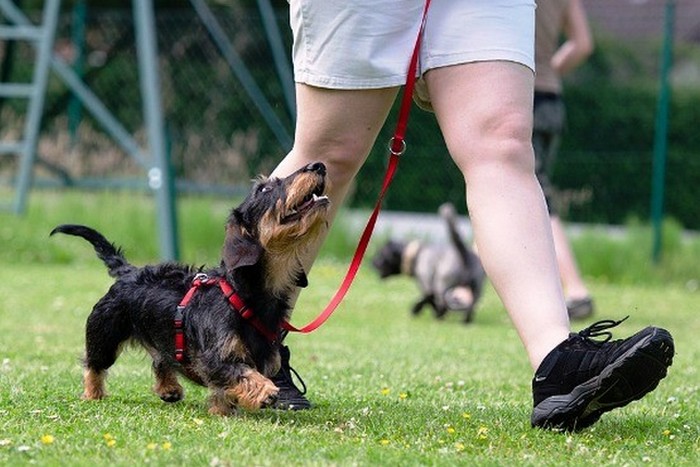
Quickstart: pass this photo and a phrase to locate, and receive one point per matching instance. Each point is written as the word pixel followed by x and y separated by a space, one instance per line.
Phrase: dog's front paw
pixel 270 401
pixel 253 391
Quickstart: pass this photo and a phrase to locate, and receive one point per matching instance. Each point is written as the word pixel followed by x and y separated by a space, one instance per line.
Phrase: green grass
pixel 387 389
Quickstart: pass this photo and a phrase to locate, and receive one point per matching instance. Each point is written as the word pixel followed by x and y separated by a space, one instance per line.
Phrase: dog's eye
pixel 264 188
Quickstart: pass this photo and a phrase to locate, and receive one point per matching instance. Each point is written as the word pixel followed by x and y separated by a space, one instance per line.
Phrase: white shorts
pixel 367 44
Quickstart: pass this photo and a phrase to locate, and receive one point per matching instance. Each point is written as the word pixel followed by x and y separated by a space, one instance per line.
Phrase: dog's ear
pixel 302 280
pixel 240 248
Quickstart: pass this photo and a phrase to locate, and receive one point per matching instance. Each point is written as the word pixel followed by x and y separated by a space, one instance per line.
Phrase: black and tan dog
pixel 224 335
pixel 449 275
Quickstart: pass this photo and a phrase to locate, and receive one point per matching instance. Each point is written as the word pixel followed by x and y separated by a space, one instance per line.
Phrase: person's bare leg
pixel 338 128
pixel 485 113
pixel 574 287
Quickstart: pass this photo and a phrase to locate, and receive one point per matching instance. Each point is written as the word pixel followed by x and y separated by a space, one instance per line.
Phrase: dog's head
pixel 278 219
pixel 387 261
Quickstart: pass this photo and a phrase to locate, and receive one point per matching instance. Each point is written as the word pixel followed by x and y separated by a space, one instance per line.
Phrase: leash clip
pixel 392 142
pixel 200 278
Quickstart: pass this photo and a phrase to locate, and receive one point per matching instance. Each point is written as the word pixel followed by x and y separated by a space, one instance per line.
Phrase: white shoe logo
pixel 539 379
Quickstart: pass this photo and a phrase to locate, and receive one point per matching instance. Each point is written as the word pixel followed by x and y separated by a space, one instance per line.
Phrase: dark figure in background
pixel 553 59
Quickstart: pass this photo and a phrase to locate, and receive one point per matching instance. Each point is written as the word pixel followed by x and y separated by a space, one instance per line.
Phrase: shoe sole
pixel 290 406
pixel 634 374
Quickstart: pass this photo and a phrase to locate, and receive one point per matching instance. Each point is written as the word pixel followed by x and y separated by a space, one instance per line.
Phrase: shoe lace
pixel 287 371
pixel 600 328
pixel 301 381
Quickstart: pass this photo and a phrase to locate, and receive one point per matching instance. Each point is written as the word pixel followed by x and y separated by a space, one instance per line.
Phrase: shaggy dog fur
pixel 231 351
pixel 450 276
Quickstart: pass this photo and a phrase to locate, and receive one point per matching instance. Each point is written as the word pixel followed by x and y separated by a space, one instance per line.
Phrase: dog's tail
pixel 447 211
pixel 111 255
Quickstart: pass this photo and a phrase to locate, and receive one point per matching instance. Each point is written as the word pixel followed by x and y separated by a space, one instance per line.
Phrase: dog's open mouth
pixel 313 200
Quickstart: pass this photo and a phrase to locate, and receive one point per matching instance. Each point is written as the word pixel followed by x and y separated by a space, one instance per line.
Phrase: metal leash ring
pixel 400 151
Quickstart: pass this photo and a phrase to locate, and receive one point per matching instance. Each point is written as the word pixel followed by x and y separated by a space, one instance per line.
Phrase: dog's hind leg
pixel 418 306
pixel 93 384
pixel 468 315
pixel 104 335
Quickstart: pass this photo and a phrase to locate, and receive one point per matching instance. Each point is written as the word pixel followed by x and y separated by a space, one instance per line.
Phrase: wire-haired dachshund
pixel 218 327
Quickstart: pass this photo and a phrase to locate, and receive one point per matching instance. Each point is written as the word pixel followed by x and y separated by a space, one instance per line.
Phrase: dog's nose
pixel 318 167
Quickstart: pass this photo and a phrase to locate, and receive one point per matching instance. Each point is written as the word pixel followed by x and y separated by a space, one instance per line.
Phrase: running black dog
pixel 450 275
pixel 218 327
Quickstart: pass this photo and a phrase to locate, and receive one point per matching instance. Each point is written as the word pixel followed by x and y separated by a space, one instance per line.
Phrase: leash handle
pixel 397 147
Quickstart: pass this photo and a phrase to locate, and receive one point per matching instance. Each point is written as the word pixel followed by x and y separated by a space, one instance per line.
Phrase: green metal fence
pixel 228 114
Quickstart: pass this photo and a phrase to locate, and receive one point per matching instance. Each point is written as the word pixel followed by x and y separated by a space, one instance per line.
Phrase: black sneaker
pixel 289 397
pixel 581 378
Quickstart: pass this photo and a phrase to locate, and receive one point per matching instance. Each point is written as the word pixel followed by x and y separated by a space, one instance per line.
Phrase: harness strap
pixel 397 146
pixel 197 282
pixel 234 300
pixel 246 313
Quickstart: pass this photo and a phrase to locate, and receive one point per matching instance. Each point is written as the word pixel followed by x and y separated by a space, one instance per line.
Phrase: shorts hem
pixel 494 55
pixel 333 82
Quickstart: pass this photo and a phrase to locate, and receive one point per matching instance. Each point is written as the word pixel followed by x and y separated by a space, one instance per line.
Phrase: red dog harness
pixel 231 296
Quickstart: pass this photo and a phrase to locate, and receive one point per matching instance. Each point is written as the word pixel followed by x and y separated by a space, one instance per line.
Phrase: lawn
pixel 387 389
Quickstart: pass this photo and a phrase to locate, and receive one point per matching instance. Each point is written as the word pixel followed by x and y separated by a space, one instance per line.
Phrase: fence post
pixel 159 175
pixel 661 134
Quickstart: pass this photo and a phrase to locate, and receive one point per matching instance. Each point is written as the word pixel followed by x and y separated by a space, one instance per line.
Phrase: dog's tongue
pixel 310 202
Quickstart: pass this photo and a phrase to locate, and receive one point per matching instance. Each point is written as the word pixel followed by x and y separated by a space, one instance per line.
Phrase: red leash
pixel 397 146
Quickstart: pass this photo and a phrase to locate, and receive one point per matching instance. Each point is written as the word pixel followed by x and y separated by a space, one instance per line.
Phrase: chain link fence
pixel 219 139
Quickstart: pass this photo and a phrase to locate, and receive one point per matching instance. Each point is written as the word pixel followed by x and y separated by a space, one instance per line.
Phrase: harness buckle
pixel 200 278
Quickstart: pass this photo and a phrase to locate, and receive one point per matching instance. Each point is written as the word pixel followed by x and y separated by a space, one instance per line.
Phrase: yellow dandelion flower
pixel 151 446
pixel 110 441
pixel 167 446
pixel 667 432
pixel 47 439
pixel 466 416
pixel 385 391
pixel 459 447
pixel 384 442
pixel 482 433
pixel 403 396
pixel 451 430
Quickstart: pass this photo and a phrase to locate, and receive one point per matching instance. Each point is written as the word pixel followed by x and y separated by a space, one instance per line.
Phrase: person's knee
pixel 503 140
pixel 343 156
